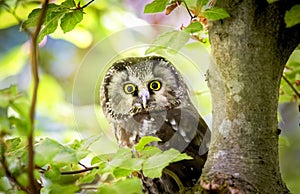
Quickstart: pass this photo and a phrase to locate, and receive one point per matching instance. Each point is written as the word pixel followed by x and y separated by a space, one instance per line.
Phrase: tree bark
pixel 249 50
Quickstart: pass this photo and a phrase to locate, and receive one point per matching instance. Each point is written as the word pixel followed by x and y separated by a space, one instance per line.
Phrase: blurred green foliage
pixel 58 150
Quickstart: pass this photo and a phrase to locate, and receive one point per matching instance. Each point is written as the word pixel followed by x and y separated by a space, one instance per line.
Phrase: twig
pixel 34 69
pixel 79 171
pixel 291 85
pixel 188 10
pixel 80 8
pixel 87 4
pixel 82 165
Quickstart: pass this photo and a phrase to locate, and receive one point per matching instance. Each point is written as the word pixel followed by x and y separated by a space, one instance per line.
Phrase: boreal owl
pixel 147 96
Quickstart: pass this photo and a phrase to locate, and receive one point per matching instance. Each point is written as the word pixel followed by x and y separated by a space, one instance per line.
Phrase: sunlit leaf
pixel 89 177
pixel 193 27
pixel 53 173
pixel 68 4
pixel 156 6
pixel 101 158
pixel 146 140
pixel 173 40
pixel 70 20
pixel 149 151
pixel 131 186
pixel 121 172
pixel 215 13
pixel 292 17
pixel 7 95
pixel 57 188
pixel 13 144
pixel 46 150
pixel 32 19
pixel 154 165
pixel 51 20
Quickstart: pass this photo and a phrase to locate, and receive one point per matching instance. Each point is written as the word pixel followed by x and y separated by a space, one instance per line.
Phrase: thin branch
pixel 291 85
pixel 34 69
pixel 80 8
pixel 79 171
pixel 82 165
pixel 188 10
pixel 87 4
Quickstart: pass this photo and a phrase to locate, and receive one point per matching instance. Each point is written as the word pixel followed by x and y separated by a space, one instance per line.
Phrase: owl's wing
pixel 186 131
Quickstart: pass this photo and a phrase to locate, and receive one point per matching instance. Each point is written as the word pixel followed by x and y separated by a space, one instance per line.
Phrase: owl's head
pixel 141 85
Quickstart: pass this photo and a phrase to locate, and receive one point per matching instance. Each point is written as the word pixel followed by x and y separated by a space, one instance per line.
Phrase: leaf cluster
pixel 58 167
pixel 199 10
pixel 68 14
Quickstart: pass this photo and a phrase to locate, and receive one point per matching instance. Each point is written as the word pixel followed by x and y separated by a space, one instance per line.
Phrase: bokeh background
pixel 71 66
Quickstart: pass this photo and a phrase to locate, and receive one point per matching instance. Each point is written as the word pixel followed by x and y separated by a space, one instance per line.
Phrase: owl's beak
pixel 144 97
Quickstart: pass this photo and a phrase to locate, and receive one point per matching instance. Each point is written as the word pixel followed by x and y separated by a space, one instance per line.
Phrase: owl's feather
pixel 163 110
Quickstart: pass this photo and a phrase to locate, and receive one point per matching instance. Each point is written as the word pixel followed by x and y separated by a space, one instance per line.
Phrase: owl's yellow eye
pixel 155 85
pixel 129 88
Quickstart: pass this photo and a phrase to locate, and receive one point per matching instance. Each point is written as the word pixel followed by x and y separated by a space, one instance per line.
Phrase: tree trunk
pixel 250 50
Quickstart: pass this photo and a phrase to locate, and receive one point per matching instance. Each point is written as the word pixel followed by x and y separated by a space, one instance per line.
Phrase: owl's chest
pixel 146 124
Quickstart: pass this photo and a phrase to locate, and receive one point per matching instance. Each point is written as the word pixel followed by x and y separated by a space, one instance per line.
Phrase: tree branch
pixel 79 171
pixel 34 69
pixel 291 85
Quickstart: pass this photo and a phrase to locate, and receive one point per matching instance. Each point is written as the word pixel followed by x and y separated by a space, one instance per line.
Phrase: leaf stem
pixel 34 70
pixel 291 85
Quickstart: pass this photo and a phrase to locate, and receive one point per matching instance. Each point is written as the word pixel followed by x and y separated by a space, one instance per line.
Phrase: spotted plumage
pixel 144 96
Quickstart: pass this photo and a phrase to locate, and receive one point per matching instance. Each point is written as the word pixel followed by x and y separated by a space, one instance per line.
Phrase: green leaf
pixel 133 164
pixel 271 1
pixel 89 177
pixel 174 40
pixel 154 165
pixel 70 20
pixel 68 4
pixel 46 150
pixel 122 155
pixel 57 188
pixel 13 144
pixel 149 151
pixel 7 95
pixel 156 6
pixel 121 172
pixel 193 27
pixel 53 15
pixel 146 140
pixel 131 186
pixel 215 13
pixel 32 19
pixel 102 158
pixel 52 173
pixel 4 121
pixel 292 17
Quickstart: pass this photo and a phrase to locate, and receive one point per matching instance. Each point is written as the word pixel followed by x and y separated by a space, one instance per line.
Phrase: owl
pixel 147 96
